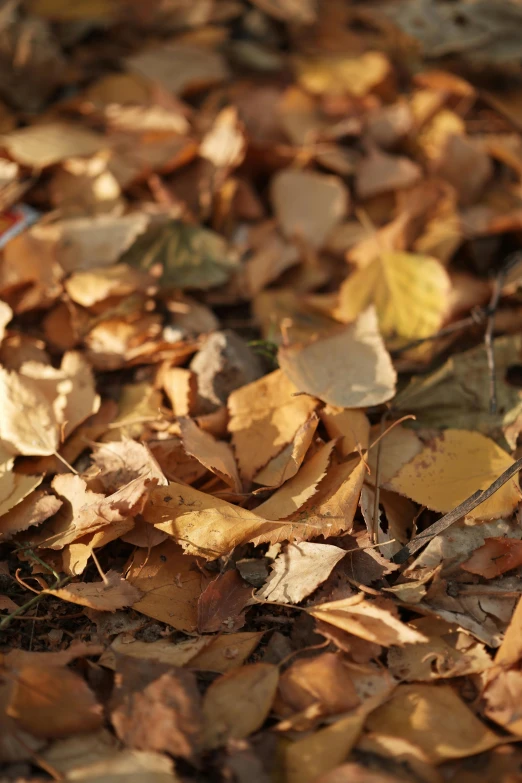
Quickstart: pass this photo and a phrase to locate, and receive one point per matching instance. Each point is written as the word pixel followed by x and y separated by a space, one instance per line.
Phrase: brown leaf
pixel 379 173
pixel 494 557
pixel 289 460
pixel 220 605
pixel 120 462
pixel 180 68
pixel 44 145
pixel 236 704
pixel 226 652
pixel 156 707
pixel 107 596
pixel 322 680
pixel 171 583
pixel 51 701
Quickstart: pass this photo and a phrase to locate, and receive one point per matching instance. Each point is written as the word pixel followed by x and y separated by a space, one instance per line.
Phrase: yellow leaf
pixel 410 293
pixel 349 368
pixel 289 460
pixel 237 703
pixel 264 418
pixel 351 425
pixel 434 718
pixel 451 468
pixel 338 74
pixel 215 455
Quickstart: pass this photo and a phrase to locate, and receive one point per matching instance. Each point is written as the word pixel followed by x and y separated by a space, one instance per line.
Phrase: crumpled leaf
pixel 298 571
pixel 349 368
pixel 452 467
pixel 190 256
pixel 371 620
pixel 410 293
pixel 107 596
pixel 236 704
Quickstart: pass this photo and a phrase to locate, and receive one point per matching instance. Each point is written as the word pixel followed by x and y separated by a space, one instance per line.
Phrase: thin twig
pixel 488 342
pixel 464 508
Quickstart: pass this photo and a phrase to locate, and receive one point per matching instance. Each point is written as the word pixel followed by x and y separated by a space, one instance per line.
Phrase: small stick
pixel 488 342
pixel 464 508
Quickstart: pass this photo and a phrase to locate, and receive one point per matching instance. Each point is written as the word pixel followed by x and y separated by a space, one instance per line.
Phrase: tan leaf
pixel 350 368
pixel 32 510
pixel 204 525
pixel 298 490
pixel 494 557
pixel 171 584
pixel 161 651
pixel 308 204
pixel 181 387
pixel 336 74
pixel 44 145
pixel 28 421
pixel 6 315
pixel 226 652
pixel 123 461
pixel 298 571
pixel 379 173
pixel 350 424
pixel 224 144
pixel 367 619
pixel 435 719
pixel 502 697
pixel 323 681
pixel 289 460
pixel 88 287
pixel 510 651
pixel 264 418
pixel 82 400
pixel 236 704
pixel 180 68
pixel 453 466
pixel 398 446
pixel 215 455
pixel 221 604
pixel 107 596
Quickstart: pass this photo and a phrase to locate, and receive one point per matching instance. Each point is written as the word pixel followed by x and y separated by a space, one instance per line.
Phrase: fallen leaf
pixel 435 719
pixel 323 681
pixel 350 424
pixel 308 205
pixel 156 707
pixel 120 462
pixel 171 584
pixel 236 704
pixel 379 173
pixel 298 490
pixel 224 144
pixel 107 596
pixel 226 652
pixel 265 417
pixel 502 700
pixel 52 701
pixel 89 287
pixel 410 293
pixel 298 571
pixel 494 557
pixel 162 651
pixel 131 765
pixel 40 146
pixel 289 460
pixel 337 74
pixel 371 620
pixel 221 603
pixel 179 67
pixel 510 651
pixel 320 368
pixel 215 455
pixel 453 466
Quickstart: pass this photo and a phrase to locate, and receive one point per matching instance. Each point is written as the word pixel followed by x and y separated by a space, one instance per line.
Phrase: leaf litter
pixel 260 318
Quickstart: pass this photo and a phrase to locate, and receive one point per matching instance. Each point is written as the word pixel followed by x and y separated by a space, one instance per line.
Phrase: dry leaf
pixel 224 144
pixel 379 173
pixel 289 460
pixel 221 603
pixel 350 368
pixel 52 701
pixel 453 466
pixel 44 145
pixel 308 205
pixel 171 584
pixel 371 620
pixel 215 455
pixel 351 425
pixel 162 651
pixel 107 596
pixel 298 490
pixel 298 571
pixel 410 293
pixel 336 74
pixel 268 406
pixel 120 462
pixel 435 719
pixel 226 652
pixel 494 557
pixel 89 287
pixel 322 681
pixel 180 68
pixel 236 704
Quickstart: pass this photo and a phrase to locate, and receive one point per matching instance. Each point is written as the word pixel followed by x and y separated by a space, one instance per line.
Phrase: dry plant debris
pixel 260 391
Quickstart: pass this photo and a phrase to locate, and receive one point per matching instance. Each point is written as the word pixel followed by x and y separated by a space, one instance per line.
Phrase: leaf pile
pixel 257 333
